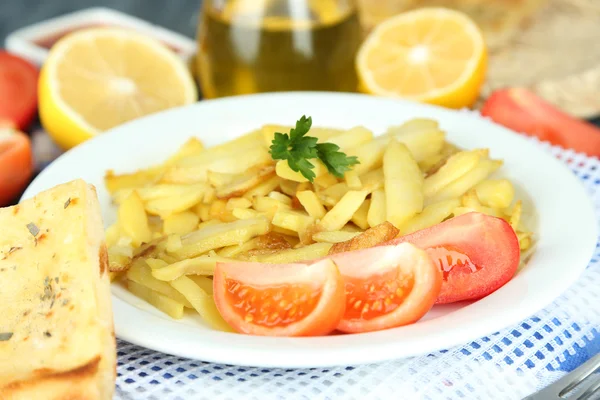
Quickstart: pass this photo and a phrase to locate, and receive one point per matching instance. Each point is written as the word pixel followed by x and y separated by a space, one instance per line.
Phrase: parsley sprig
pixel 298 149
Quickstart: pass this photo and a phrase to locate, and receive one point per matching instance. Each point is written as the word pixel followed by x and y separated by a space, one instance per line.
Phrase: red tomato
pixel 16 165
pixel 280 300
pixel 524 112
pixel 387 286
pixel 18 90
pixel 477 253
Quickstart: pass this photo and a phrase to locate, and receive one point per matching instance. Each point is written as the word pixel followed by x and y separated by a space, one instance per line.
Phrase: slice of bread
pixel 56 327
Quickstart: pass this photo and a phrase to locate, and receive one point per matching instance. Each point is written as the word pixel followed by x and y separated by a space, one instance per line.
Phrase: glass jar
pixel 253 46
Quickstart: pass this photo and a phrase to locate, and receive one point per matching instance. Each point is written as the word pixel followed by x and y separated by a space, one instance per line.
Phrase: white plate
pixel 563 220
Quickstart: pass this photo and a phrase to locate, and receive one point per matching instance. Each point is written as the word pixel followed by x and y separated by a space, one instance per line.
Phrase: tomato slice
pixel 280 300
pixel 18 90
pixel 477 253
pixel 524 112
pixel 387 286
pixel 16 164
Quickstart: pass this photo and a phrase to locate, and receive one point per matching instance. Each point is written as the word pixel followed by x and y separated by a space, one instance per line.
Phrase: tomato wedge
pixel 280 300
pixel 387 286
pixel 16 164
pixel 18 90
pixel 477 253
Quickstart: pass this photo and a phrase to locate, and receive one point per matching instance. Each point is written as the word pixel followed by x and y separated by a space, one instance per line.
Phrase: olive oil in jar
pixel 252 46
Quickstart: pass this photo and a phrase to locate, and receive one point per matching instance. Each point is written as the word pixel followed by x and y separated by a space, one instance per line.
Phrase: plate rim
pixel 372 352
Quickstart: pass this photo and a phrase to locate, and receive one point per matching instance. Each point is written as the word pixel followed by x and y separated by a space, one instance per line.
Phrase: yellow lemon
pixel 432 55
pixel 98 78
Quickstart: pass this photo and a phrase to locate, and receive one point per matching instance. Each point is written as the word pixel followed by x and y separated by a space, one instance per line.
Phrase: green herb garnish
pixel 298 149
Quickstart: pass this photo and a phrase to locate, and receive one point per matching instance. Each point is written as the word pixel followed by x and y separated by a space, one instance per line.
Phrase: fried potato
pixel 333 236
pixel 369 154
pixel 311 203
pixel 431 215
pixel 165 304
pixel 421 144
pixel 167 206
pixel 403 184
pixel 264 188
pixel 371 237
pixel 119 258
pixel 495 193
pixel 343 211
pixel 354 137
pixel 282 198
pixel 142 274
pixel 193 146
pixel 133 180
pixel 525 240
pixel 460 186
pixel 180 223
pixel 515 217
pixel 360 216
pixel 204 282
pixel 377 209
pixel 414 125
pixel 371 181
pixel 245 182
pixel 457 166
pixel 202 265
pixel 310 252
pixel 283 170
pixel 238 202
pixel 221 235
pixel 203 303
pixel 218 179
pixel 325 181
pixel 133 220
pixel 353 180
pixel 292 220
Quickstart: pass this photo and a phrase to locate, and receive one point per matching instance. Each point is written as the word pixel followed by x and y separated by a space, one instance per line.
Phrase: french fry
pixel 369 238
pixel 238 202
pixel 180 223
pixel 310 252
pixel 210 222
pixel 403 184
pixel 218 179
pixel 188 170
pixel 325 181
pixel 369 154
pixel 119 258
pixel 165 304
pixel 191 147
pixel 142 274
pixel 414 125
pixel 371 181
pixel 353 180
pixel 311 203
pixel 460 186
pixel 232 251
pixel 268 205
pixel 268 132
pixel 288 187
pixel 134 180
pixel 515 217
pixel 246 213
pixel 333 236
pixel 113 233
pixel 263 188
pixel 295 221
pixel 221 235
pixel 343 211
pixel 360 217
pixel 457 166
pixel 495 193
pixel 377 209
pixel 133 220
pixel 204 282
pixel 203 303
pixel 282 198
pixel 167 206
pixel 155 263
pixel 354 137
pixel 322 134
pixel 421 144
pixel 481 209
pixel 431 215
pixel 525 240
pixel 173 243
pixel 283 170
pixel 202 265
pixel 245 182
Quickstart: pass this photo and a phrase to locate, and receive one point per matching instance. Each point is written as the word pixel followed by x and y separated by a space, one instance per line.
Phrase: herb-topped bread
pixel 56 328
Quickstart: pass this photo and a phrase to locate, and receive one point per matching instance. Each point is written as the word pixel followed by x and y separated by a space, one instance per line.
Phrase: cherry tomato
pixel 387 286
pixel 18 90
pixel 16 164
pixel 280 300
pixel 477 254
pixel 524 112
